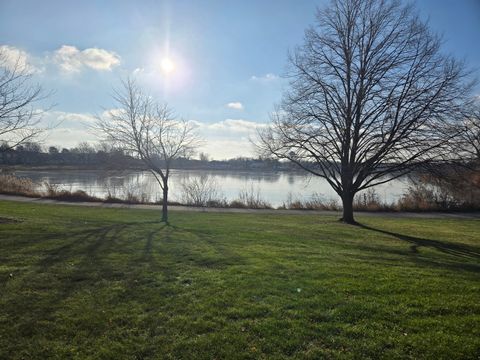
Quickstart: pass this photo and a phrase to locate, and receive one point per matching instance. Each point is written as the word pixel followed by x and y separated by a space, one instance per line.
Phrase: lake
pixel 274 187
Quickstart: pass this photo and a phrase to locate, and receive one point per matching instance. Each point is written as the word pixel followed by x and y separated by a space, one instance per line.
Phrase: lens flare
pixel 167 66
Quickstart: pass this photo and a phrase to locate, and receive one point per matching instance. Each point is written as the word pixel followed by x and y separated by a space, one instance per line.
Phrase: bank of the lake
pixel 115 283
pixel 275 187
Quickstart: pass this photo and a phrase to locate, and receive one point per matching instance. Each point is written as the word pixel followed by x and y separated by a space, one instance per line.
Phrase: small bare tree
pixel 147 130
pixel 19 118
pixel 370 94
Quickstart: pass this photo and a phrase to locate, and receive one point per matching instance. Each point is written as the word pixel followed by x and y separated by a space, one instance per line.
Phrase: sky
pixel 226 59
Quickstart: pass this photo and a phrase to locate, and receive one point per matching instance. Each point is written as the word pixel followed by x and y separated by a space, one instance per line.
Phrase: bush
pixel 203 191
pixel 54 193
pixel 418 198
pixel 131 194
pixel 315 202
pixel 13 185
pixel 237 204
pixel 370 201
pixel 222 203
pixel 456 191
pixel 113 199
pixel 250 198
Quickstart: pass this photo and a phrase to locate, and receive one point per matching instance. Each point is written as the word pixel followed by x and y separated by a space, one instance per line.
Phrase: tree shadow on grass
pixel 66 277
pixel 149 239
pixel 67 263
pixel 93 238
pixel 85 257
pixel 457 251
pixel 201 249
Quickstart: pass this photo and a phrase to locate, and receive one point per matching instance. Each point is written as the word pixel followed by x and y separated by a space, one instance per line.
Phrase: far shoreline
pixel 14 168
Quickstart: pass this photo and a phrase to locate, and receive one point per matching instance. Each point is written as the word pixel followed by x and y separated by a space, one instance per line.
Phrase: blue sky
pixel 225 52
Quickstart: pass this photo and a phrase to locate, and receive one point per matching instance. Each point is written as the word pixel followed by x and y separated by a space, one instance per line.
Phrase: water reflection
pixel 274 187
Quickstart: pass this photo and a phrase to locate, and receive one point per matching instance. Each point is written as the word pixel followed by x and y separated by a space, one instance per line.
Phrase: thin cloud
pixel 67 129
pixel 68 137
pixel 235 105
pixel 266 77
pixel 228 138
pixel 68 119
pixel 229 127
pixel 228 148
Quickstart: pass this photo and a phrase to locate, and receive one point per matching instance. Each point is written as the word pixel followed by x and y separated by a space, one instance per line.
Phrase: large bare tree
pixel 19 98
pixel 369 95
pixel 149 131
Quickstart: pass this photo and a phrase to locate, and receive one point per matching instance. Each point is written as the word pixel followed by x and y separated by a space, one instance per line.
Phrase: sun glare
pixel 167 66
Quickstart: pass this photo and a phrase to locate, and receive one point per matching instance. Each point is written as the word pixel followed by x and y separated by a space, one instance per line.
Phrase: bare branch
pixel 19 116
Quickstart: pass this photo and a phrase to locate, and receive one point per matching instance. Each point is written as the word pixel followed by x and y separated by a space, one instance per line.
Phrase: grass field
pixel 92 283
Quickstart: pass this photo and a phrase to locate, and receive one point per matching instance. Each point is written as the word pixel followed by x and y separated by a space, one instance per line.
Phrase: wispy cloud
pixel 228 138
pixel 72 60
pixel 228 148
pixel 229 127
pixel 68 128
pixel 68 137
pixel 266 77
pixel 68 119
pixel 235 105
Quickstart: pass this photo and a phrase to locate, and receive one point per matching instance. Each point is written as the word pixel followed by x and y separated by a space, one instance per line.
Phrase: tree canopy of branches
pixel 469 136
pixel 370 95
pixel 19 118
pixel 149 131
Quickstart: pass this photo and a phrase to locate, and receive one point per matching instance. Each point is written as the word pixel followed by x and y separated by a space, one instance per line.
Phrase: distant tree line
pixel 105 156
pixel 84 155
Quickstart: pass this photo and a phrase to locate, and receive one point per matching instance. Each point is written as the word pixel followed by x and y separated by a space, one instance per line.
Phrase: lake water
pixel 274 187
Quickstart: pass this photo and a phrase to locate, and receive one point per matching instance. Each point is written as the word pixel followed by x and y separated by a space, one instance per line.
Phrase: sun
pixel 167 65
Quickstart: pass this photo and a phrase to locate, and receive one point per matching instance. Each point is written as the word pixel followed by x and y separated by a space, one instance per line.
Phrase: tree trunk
pixel 347 203
pixel 165 203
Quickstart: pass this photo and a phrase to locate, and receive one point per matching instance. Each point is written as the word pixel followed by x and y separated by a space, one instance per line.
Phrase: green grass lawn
pixel 79 282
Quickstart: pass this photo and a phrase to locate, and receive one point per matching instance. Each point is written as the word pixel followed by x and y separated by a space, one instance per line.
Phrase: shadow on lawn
pixel 129 252
pixel 95 246
pixel 464 252
pixel 94 259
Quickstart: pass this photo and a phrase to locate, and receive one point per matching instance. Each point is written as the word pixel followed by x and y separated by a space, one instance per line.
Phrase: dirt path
pixel 436 215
